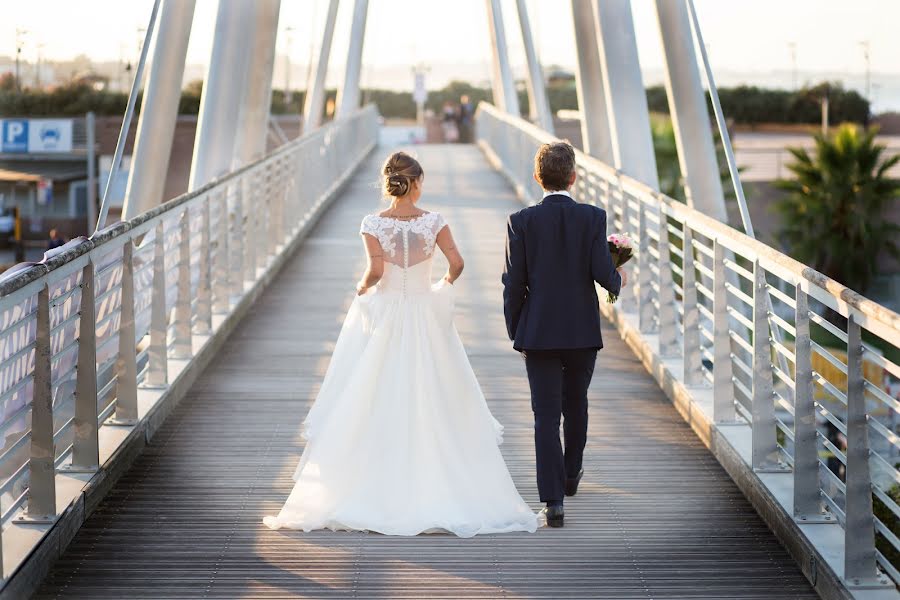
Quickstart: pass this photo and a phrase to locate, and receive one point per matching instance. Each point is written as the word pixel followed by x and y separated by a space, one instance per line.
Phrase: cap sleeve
pixel 368 226
pixel 439 223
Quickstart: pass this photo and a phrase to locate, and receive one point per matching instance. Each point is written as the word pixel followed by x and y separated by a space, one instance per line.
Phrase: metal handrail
pixel 150 261
pixel 825 384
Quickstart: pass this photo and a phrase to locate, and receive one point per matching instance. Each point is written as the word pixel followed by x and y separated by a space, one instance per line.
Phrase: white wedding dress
pixel 400 440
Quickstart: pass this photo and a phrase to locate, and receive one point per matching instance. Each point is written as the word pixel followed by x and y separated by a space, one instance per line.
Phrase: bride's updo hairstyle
pixel 400 170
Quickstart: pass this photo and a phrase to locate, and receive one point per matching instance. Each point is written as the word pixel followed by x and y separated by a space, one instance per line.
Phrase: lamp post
pixel 792 47
pixel 288 42
pixel 19 34
pixel 866 47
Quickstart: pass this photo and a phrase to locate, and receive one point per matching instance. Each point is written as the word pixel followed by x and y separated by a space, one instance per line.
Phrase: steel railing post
pixel 41 463
pixel 236 240
pixel 723 374
pixel 668 315
pixel 859 528
pixel 157 369
pixel 762 409
pixel 647 313
pixel 693 365
pixel 182 343
pixel 250 182
pixel 204 292
pixel 220 287
pixel 808 505
pixel 126 359
pixel 86 445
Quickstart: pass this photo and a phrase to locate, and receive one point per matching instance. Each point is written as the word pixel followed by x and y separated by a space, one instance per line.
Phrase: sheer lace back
pixel 405 243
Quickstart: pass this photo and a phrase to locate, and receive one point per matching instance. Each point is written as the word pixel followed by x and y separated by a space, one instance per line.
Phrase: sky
pixel 747 39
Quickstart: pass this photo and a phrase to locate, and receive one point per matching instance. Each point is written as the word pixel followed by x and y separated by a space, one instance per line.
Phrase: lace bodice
pixel 408 247
pixel 405 243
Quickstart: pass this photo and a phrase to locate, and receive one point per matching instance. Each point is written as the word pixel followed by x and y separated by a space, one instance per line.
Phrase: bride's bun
pixel 400 171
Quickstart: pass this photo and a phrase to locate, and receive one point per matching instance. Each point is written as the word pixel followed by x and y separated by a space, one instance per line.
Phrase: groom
pixel 555 251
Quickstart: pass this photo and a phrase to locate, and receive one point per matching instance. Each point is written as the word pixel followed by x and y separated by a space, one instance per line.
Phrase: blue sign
pixel 14 135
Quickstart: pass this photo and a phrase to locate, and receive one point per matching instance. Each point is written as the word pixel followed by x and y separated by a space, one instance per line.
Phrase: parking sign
pixel 14 135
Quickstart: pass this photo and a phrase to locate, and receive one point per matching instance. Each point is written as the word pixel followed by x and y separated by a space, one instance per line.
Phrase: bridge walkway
pixel 655 517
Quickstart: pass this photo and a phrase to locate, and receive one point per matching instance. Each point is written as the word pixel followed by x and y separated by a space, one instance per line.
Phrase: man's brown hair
pixel 554 164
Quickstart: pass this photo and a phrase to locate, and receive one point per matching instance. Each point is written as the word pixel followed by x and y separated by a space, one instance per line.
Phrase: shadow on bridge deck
pixel 656 516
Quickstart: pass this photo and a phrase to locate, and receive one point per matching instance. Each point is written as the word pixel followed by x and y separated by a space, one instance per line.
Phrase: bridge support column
pixel 253 124
pixel 223 93
pixel 315 89
pixel 538 106
pixel 693 133
pixel 595 133
pixel 505 96
pixel 159 109
pixel 629 116
pixel 348 96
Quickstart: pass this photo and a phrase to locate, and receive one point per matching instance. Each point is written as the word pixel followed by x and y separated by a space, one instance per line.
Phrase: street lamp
pixel 288 41
pixel 866 47
pixel 19 34
pixel 792 47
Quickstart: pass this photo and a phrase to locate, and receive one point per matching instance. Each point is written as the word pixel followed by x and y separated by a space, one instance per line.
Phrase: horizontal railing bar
pixel 830 387
pixel 738 294
pixel 824 353
pixel 831 418
pixel 733 266
pixel 822 322
pixel 740 318
pixel 781 296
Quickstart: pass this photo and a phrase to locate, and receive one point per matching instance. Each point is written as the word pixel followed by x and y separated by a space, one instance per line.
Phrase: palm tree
pixel 834 212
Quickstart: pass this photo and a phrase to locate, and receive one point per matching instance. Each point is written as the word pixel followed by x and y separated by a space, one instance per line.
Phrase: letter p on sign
pixel 15 136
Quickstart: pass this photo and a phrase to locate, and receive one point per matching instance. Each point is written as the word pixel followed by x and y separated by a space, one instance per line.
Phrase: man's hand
pixel 623 275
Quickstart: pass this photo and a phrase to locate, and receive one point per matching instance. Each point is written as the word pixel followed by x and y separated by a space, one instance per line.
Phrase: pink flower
pixel 620 240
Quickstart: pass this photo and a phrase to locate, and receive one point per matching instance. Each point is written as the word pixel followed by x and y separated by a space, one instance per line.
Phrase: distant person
pixel 449 119
pixel 56 240
pixel 466 121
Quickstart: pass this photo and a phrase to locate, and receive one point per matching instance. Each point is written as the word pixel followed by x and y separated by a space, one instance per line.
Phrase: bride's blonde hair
pixel 400 171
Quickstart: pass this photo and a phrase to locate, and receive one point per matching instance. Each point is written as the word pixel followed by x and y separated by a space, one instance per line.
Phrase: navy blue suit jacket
pixel 555 251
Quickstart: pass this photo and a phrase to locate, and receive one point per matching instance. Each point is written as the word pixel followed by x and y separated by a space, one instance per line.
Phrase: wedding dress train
pixel 400 439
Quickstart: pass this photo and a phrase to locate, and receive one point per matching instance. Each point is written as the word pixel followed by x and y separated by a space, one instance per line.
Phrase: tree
pixel 833 215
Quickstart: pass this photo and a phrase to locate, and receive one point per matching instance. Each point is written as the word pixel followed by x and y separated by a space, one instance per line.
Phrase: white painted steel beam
pixel 222 96
pixel 505 96
pixel 538 105
pixel 159 109
pixel 629 116
pixel 595 132
pixel 253 124
pixel 315 89
pixel 687 106
pixel 348 95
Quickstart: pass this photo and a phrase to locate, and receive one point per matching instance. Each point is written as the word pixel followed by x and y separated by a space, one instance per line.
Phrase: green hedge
pixel 752 105
pixel 744 104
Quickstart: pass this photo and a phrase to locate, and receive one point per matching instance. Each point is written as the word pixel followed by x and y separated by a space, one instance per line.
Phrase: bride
pixel 400 440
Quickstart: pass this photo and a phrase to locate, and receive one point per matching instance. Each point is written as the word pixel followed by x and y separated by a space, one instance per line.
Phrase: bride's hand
pixel 361 288
pixel 447 279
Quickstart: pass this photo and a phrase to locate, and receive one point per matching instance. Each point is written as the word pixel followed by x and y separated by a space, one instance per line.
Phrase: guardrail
pixel 791 421
pixel 92 337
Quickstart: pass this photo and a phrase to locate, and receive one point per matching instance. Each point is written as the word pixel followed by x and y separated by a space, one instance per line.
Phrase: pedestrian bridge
pixel 155 377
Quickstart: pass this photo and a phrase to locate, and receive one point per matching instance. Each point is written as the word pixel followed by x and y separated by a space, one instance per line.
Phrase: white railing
pixel 819 430
pixel 92 336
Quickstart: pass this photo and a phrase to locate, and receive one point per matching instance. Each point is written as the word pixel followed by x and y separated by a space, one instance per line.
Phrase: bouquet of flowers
pixel 622 250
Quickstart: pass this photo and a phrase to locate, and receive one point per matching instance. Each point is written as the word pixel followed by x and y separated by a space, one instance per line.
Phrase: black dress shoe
pixel 554 514
pixel 572 483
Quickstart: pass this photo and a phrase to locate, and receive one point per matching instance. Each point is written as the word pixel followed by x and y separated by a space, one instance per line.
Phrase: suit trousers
pixel 559 381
